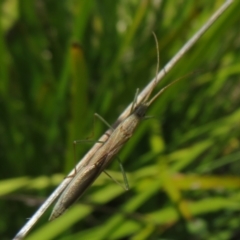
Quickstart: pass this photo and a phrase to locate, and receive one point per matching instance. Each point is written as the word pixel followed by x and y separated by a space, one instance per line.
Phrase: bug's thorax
pixel 128 126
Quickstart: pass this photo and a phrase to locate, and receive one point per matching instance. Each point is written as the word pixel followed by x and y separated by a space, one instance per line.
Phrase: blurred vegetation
pixel 183 165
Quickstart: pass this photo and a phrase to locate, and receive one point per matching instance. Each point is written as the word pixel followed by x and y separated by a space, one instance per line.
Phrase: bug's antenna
pixel 169 85
pixel 158 55
pixel 157 68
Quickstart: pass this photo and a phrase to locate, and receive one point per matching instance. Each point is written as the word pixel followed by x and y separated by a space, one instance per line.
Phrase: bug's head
pixel 140 110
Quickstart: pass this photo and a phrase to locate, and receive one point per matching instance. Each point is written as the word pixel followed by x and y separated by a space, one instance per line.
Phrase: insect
pixel 105 154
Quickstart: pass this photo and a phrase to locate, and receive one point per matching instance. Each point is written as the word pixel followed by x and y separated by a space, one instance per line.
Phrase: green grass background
pixel 183 165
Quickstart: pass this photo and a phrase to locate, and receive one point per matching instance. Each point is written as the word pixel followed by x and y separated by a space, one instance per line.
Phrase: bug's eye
pixel 140 111
pixel 142 114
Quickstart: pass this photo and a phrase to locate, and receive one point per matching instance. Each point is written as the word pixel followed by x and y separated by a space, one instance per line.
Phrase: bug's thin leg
pixel 134 103
pixel 87 141
pixel 126 185
pixel 118 183
pixel 123 173
pixel 103 120
pixel 148 117
pixel 75 155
